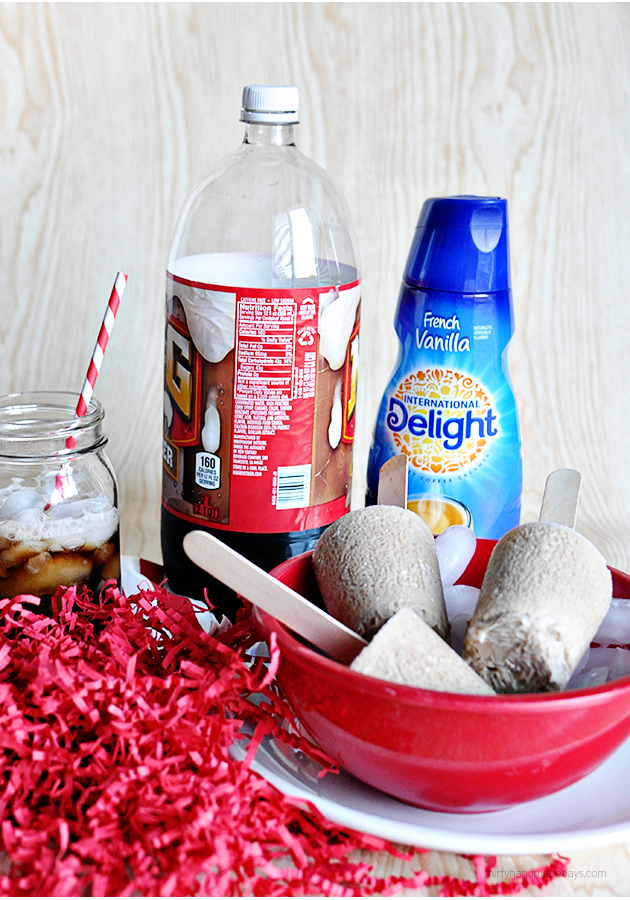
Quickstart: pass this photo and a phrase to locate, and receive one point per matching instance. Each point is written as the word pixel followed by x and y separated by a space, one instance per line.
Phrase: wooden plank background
pixel 109 113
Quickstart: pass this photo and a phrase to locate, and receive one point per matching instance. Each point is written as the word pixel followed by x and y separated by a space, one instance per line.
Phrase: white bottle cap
pixel 270 103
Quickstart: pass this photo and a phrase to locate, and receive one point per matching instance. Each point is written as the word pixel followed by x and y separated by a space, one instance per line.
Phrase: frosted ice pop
pixel 407 651
pixel 375 561
pixel 545 592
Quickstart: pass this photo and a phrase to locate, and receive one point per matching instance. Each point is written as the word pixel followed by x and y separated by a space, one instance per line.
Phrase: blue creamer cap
pixel 461 244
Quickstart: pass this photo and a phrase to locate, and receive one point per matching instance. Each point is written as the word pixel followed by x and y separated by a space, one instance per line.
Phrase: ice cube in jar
pixel 58 498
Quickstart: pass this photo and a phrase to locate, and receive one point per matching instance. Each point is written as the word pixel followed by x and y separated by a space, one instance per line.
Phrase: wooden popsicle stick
pixel 561 497
pixel 275 598
pixel 392 482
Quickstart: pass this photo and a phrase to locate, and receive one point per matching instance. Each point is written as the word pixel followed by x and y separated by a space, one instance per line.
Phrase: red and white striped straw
pixel 99 351
pixel 62 479
pixel 101 343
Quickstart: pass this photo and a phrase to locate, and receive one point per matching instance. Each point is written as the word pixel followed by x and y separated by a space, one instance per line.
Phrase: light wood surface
pixel 110 112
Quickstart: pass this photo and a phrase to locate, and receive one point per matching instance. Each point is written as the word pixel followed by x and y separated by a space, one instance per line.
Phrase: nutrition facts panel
pixel 249 453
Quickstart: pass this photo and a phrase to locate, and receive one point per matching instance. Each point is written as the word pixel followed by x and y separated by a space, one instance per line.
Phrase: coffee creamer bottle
pixel 449 406
pixel 262 323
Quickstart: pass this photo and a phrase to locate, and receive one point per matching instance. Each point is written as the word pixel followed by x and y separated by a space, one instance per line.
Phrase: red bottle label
pixel 260 394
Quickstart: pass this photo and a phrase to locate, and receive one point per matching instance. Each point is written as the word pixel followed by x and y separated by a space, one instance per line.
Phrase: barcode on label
pixel 293 487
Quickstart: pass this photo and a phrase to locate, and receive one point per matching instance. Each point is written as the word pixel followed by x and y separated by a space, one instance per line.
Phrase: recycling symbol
pixel 306 336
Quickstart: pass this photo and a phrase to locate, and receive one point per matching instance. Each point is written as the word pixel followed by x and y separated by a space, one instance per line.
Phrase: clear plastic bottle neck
pixel 270 135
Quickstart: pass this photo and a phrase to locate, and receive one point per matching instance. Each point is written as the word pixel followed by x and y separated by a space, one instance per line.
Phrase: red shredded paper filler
pixel 116 721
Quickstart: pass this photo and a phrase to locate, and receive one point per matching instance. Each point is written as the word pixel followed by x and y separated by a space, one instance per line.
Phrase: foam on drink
pixel 44 546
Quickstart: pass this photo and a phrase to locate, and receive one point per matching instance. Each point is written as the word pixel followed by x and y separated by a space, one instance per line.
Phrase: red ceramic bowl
pixel 449 752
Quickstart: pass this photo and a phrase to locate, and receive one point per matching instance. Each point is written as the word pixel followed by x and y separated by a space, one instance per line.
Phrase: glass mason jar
pixel 58 497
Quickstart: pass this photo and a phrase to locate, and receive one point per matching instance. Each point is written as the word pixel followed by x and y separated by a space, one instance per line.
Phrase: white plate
pixel 130 575
pixel 594 812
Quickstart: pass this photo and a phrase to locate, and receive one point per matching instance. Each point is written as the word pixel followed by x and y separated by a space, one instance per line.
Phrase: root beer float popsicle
pixel 544 595
pixel 376 561
pixel 407 651
pixel 545 592
pixel 378 572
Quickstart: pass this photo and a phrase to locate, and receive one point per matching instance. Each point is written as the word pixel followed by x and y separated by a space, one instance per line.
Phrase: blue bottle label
pixel 450 409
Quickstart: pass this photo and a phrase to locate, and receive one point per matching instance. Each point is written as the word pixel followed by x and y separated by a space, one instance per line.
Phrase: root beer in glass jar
pixel 58 497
